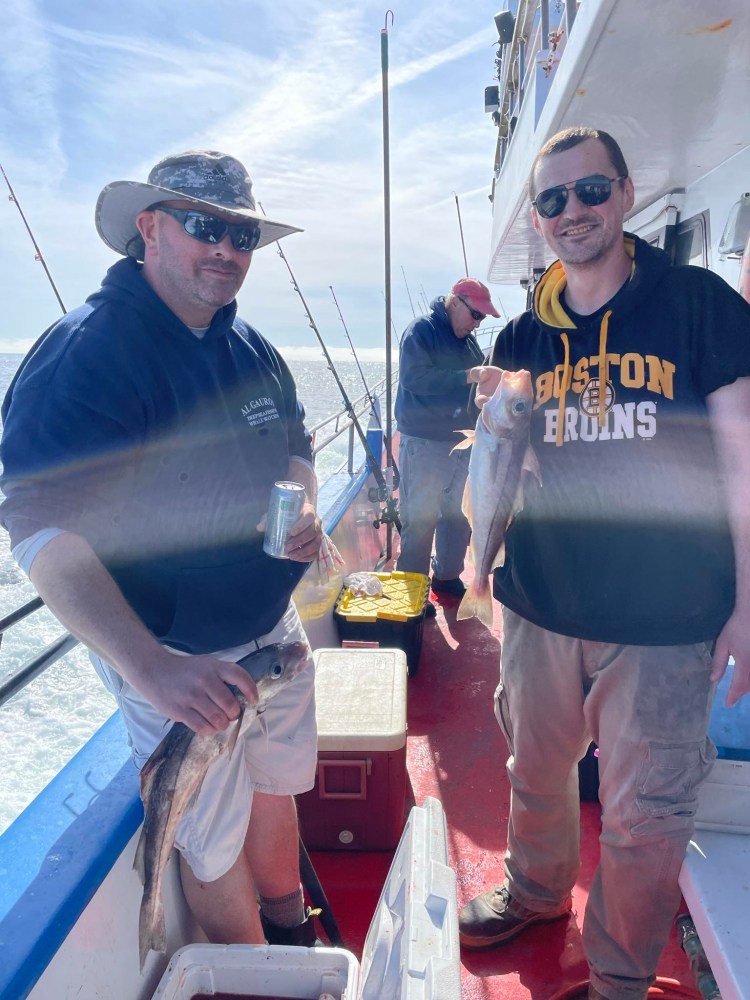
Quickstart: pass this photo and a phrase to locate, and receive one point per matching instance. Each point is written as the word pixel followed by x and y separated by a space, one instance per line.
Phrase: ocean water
pixel 50 719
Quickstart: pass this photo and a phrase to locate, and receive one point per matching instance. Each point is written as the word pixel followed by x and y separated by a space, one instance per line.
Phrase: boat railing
pixel 527 60
pixel 330 429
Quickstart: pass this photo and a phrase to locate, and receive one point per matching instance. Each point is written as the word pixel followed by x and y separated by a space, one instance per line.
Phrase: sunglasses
pixel 475 314
pixel 590 191
pixel 245 236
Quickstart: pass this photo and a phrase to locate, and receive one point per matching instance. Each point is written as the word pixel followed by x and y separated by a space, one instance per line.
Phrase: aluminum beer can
pixel 284 509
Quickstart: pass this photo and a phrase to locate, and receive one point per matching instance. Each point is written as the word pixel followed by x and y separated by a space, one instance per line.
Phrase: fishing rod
pixel 384 494
pixel 461 231
pixel 375 407
pixel 39 254
pixel 408 292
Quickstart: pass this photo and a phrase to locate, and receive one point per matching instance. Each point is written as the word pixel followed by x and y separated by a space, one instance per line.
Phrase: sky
pixel 99 91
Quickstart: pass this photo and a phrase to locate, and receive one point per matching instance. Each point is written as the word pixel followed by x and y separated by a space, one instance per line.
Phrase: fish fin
pixel 531 465
pixel 499 559
pixel 232 741
pixel 467 442
pixel 139 861
pixel 466 504
pixel 476 604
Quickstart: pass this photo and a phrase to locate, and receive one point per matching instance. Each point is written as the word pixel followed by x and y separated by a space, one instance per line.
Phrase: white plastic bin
pixel 724 798
pixel 411 951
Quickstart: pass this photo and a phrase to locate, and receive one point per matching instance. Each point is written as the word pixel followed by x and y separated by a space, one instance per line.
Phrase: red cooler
pixel 358 800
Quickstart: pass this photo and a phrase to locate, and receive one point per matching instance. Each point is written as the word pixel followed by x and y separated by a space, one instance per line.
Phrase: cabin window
pixel 691 241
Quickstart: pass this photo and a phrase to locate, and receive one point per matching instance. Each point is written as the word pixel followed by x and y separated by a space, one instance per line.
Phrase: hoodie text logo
pixel 260 411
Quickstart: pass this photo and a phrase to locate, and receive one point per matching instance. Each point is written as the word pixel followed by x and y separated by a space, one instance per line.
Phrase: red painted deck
pixel 455 752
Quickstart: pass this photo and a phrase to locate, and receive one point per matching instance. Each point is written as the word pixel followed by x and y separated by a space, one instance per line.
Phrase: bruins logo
pixel 590 399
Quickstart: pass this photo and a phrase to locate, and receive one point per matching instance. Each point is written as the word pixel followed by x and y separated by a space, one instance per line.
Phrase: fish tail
pixel 152 930
pixel 476 603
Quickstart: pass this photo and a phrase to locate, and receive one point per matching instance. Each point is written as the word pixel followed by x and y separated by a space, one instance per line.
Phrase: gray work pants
pixel 431 491
pixel 647 709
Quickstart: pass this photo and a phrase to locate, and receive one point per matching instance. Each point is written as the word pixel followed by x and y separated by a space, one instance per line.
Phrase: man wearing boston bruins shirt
pixel 626 582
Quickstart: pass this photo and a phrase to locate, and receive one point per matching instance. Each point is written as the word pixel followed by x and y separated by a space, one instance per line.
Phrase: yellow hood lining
pixel 551 311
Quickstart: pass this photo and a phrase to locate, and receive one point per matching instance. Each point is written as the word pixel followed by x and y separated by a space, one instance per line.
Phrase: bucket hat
pixel 210 180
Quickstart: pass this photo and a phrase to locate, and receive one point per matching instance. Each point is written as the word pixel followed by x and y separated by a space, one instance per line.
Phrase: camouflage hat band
pixel 211 180
pixel 212 177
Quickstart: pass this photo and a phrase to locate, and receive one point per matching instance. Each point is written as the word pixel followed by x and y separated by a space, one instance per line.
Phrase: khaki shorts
pixel 277 757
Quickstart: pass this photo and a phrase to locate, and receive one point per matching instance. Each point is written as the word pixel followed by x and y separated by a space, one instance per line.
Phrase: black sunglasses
pixel 590 191
pixel 475 314
pixel 245 236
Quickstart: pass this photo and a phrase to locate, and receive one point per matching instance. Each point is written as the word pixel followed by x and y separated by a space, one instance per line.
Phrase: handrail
pixel 26 673
pixel 342 421
pixel 19 614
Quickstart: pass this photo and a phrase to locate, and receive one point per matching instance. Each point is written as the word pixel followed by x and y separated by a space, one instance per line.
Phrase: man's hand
pixel 487 379
pixel 305 536
pixel 193 689
pixel 733 640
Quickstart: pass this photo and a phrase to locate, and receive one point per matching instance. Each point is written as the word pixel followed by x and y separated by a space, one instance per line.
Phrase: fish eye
pixel 518 406
pixel 276 670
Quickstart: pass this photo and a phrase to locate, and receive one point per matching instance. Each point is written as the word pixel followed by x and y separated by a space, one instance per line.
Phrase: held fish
pixel 500 452
pixel 174 773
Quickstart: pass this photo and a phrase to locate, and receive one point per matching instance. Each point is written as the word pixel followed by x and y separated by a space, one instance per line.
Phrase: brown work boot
pixel 495 917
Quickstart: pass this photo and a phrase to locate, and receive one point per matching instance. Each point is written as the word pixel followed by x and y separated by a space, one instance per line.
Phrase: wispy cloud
pixel 296 94
pixel 28 82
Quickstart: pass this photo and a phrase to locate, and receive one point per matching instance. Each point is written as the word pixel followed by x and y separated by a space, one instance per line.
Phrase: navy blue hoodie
pixel 160 449
pixel 433 396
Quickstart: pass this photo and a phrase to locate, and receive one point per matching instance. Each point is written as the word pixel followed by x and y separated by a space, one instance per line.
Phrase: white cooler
pixel 724 798
pixel 411 951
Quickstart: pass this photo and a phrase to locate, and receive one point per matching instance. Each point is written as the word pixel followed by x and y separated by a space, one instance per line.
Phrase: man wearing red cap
pixel 432 404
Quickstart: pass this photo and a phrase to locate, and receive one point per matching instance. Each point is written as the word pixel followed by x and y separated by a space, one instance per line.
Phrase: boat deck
pixel 456 753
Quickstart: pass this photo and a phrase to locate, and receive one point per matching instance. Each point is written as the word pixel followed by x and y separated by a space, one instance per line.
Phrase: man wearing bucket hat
pixel 143 434
pixel 432 404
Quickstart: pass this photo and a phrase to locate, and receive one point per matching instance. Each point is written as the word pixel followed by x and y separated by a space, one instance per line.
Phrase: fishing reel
pixel 389 514
pixel 381 492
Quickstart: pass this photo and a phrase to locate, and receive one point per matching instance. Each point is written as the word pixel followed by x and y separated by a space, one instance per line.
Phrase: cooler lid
pixel 411 951
pixel 360 699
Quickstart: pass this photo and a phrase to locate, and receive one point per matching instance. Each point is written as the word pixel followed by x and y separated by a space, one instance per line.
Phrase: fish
pixel 174 773
pixel 500 453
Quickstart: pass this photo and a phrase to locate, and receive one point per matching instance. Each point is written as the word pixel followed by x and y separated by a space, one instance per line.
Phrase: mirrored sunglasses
pixel 590 191
pixel 475 314
pixel 245 236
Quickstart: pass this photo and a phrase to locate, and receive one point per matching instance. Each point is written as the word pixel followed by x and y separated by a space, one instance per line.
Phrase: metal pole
pixel 39 255
pixel 461 231
pixel 387 276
